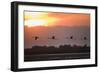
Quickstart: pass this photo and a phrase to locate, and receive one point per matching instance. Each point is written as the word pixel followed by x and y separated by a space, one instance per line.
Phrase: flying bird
pixel 53 38
pixel 36 38
pixel 85 38
pixel 71 37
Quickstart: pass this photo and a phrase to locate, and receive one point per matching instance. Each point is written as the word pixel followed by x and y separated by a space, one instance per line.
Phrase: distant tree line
pixel 53 50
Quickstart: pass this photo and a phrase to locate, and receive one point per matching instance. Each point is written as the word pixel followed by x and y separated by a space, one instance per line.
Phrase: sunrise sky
pixel 56 19
pixel 61 25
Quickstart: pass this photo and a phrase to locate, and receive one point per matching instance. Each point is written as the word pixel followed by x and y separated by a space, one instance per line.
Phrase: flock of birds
pixel 54 38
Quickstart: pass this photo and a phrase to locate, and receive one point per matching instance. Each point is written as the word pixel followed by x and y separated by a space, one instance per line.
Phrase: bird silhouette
pixel 71 37
pixel 85 38
pixel 36 38
pixel 53 38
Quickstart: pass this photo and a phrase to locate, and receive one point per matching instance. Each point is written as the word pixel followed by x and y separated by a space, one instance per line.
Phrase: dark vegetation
pixel 54 50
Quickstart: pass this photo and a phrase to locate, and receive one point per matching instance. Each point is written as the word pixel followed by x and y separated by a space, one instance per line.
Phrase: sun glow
pixel 40 22
pixel 38 19
pixel 32 19
pixel 31 23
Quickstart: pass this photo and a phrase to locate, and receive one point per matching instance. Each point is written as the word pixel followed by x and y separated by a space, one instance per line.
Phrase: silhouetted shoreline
pixel 39 53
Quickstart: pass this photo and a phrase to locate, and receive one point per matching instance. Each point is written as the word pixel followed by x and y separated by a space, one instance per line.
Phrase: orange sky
pixel 56 19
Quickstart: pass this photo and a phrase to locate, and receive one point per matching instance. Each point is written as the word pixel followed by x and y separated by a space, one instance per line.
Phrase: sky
pixel 61 25
pixel 56 19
